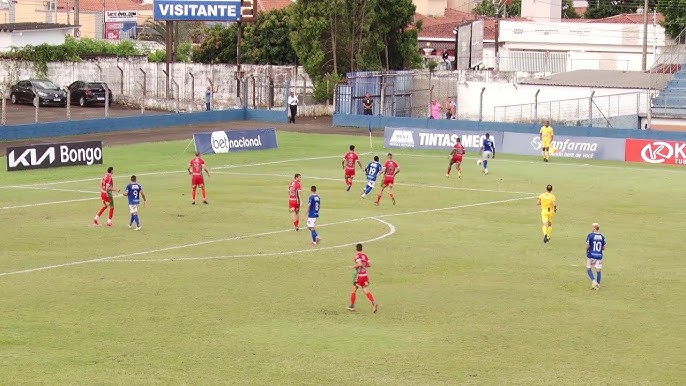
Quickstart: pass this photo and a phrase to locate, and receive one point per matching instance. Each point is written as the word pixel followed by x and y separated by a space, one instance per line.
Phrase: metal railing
pixel 670 61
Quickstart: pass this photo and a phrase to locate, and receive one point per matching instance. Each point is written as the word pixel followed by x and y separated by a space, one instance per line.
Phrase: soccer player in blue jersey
pixel 134 191
pixel 487 152
pixel 313 206
pixel 595 245
pixel 372 171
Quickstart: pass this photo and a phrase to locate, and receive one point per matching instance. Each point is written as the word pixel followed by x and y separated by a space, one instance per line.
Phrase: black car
pixel 88 93
pixel 48 93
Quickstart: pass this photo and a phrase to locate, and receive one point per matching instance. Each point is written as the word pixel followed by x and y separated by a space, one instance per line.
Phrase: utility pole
pixel 644 59
pixel 496 67
pixel 76 14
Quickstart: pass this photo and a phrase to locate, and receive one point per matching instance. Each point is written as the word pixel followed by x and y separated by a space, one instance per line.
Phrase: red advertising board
pixel 655 151
pixel 112 35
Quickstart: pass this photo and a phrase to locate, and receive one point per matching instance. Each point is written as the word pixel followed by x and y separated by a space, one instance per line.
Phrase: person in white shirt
pixel 293 105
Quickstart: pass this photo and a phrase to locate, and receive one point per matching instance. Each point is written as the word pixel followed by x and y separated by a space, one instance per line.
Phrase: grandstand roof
pixel 602 79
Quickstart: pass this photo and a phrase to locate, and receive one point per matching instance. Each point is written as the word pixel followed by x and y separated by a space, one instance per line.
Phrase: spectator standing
pixel 368 104
pixel 209 93
pixel 293 105
pixel 450 108
pixel 435 110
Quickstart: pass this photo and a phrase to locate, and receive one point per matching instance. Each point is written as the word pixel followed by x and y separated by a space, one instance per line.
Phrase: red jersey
pixel 364 259
pixel 459 149
pixel 294 189
pixel 391 168
pixel 350 158
pixel 106 183
pixel 196 166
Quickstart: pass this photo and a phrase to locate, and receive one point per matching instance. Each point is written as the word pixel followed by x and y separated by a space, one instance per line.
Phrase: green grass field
pixel 228 293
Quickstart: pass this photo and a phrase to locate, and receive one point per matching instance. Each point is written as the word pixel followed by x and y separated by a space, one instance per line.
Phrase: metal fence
pixel 398 94
pixel 136 82
pixel 616 110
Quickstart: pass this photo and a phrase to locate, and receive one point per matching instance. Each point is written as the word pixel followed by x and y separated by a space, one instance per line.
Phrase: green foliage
pixel 324 87
pixel 183 54
pixel 432 64
pixel 73 50
pixel 491 8
pixel 219 45
pixel 568 11
pixel 675 17
pixel 267 41
pixel 607 8
pixel 339 36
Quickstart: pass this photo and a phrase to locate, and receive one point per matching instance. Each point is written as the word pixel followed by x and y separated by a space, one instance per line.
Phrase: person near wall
pixel 450 108
pixel 293 106
pixel 435 109
pixel 209 93
pixel 446 60
pixel 368 104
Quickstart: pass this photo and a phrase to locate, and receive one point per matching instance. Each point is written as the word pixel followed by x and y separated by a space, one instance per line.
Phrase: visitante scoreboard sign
pixel 198 10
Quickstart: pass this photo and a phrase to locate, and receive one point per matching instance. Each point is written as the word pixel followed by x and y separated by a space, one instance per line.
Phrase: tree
pixel 599 9
pixel 675 18
pixel 219 45
pixel 267 40
pixel 568 11
pixel 492 7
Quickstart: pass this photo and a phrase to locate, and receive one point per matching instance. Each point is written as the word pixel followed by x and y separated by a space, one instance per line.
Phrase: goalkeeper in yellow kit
pixel 548 205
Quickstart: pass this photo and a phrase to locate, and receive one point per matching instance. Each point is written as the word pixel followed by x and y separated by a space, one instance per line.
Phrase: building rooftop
pixel 9 27
pixel 603 78
pixel 269 5
pixel 108 5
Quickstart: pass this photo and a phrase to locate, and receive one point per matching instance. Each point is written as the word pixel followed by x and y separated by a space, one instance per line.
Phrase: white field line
pixel 47 203
pixel 181 170
pixel 391 231
pixel 56 189
pixel 555 161
pixel 176 247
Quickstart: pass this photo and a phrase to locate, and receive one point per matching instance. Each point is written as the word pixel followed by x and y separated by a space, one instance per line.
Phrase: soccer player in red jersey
pixel 294 189
pixel 390 170
pixel 456 158
pixel 195 169
pixel 106 189
pixel 361 279
pixel 348 164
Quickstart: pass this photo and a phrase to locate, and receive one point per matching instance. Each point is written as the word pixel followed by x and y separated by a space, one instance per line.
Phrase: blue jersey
pixel 315 203
pixel 488 145
pixel 133 192
pixel 596 243
pixel 373 169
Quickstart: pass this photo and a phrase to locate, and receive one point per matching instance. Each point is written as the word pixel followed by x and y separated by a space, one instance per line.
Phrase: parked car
pixel 88 93
pixel 48 93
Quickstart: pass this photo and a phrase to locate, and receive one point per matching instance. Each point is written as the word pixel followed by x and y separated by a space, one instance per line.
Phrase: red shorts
pixel 457 158
pixel 105 198
pixel 349 173
pixel 197 180
pixel 362 281
pixel 295 206
pixel 388 180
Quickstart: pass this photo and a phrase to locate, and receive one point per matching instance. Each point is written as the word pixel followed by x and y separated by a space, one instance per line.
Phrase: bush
pixel 324 87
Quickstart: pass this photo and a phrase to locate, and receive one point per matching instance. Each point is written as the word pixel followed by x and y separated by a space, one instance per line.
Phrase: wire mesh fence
pixel 616 110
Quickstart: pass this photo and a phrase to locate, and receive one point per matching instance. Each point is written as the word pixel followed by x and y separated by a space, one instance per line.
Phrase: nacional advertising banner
pixel 403 137
pixel 54 155
pixel 655 151
pixel 610 149
pixel 226 141
pixel 197 10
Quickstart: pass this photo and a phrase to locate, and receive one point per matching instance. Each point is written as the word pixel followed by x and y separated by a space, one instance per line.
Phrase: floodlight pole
pixel 169 42
pixel 644 58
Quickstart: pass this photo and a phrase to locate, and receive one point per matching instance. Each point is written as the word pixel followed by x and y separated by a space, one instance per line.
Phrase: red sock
pixel 353 297
pixel 111 213
pixel 296 223
pixel 449 169
pixel 204 194
pixel 193 194
pixel 102 210
pixel 370 297
pixel 392 195
pixel 378 199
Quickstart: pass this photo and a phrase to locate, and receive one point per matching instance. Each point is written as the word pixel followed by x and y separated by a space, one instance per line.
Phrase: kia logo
pixel 657 152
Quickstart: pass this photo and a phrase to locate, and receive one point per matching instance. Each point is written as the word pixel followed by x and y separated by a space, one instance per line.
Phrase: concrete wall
pixel 378 122
pixel 134 80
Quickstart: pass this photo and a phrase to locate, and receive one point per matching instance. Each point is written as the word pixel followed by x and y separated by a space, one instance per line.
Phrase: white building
pixel 23 34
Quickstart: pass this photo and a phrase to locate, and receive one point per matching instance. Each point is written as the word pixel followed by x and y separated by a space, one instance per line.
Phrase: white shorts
pixel 486 155
pixel 311 222
pixel 597 263
pixel 133 208
pixel 371 183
